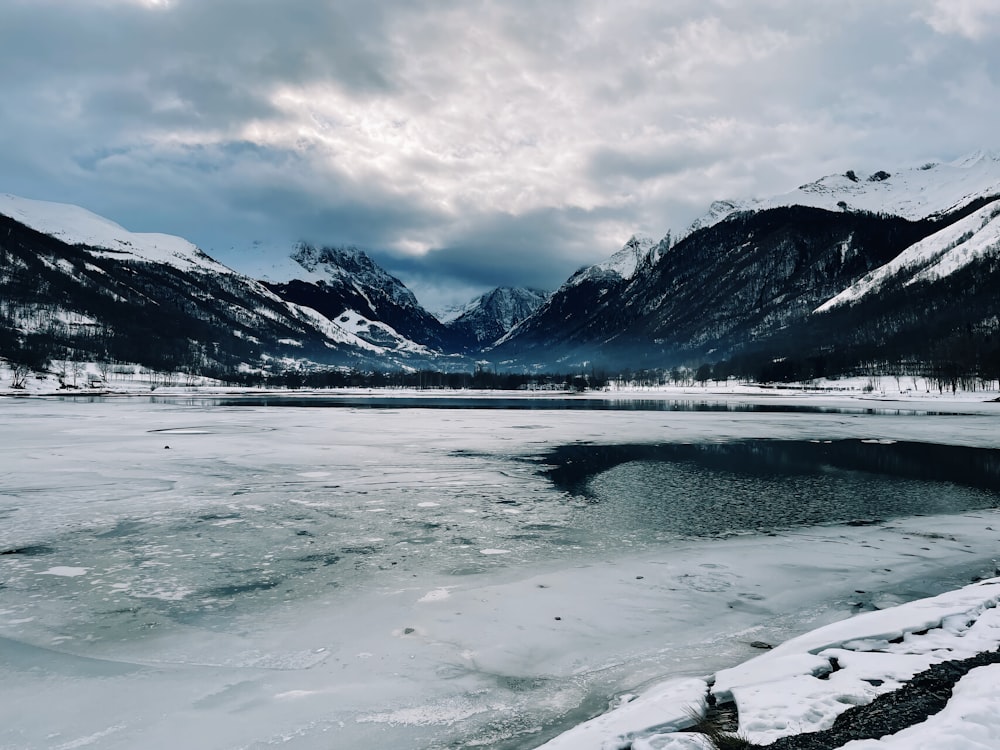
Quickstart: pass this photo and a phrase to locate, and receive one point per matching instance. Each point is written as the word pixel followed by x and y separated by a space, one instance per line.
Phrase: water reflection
pixel 646 491
pixel 517 403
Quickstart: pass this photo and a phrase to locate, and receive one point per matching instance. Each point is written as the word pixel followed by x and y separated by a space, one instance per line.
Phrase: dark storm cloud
pixel 365 221
pixel 499 250
pixel 240 40
pixel 472 145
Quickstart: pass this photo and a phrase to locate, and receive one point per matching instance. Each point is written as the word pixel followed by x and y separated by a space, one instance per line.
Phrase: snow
pixel 77 226
pixel 666 707
pixel 72 318
pixel 358 326
pixel 936 256
pixel 206 619
pixel 790 690
pixel 333 330
pixel 624 264
pixel 913 193
pixel 452 314
pixel 970 721
pixel 775 702
pixel 282 269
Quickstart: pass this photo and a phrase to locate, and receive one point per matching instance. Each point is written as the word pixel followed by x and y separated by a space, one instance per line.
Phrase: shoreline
pixel 875 388
pixel 925 695
pixel 876 678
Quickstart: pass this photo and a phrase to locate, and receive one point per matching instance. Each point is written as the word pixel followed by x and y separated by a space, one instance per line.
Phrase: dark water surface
pixel 515 403
pixel 709 489
pixel 544 403
pixel 562 403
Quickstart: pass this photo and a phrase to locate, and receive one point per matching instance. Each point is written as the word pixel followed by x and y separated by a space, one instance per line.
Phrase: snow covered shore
pixel 90 378
pixel 804 684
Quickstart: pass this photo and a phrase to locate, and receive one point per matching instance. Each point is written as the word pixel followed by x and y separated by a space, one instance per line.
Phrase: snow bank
pixel 805 683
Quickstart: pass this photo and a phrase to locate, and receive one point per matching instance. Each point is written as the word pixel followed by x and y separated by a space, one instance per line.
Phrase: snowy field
pixel 177 573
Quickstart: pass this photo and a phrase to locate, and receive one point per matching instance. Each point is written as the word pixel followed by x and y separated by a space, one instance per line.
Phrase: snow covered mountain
pixel 829 272
pixel 897 267
pixel 567 314
pixel 941 254
pixel 930 190
pixel 77 226
pixel 490 316
pixel 77 286
pixel 636 254
pixel 346 285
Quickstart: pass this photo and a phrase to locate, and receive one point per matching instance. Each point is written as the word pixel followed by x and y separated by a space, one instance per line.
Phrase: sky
pixel 467 144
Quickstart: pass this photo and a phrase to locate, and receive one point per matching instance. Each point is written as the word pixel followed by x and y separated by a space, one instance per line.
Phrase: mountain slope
pixel 929 191
pixel 76 226
pixel 77 286
pixel 721 286
pixel 345 284
pixel 941 254
pixel 747 275
pixel 490 316
pixel 944 328
pixel 573 312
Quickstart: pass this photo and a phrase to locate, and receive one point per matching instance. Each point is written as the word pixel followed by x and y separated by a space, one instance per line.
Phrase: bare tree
pixel 19 375
pixel 61 367
pixel 77 370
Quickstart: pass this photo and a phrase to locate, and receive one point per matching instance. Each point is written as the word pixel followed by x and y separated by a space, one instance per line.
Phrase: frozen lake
pixel 414 573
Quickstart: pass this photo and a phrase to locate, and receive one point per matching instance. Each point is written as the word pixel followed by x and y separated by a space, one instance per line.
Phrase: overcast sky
pixel 474 143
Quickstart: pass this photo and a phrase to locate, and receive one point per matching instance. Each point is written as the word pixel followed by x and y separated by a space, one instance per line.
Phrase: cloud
pixel 973 19
pixel 467 145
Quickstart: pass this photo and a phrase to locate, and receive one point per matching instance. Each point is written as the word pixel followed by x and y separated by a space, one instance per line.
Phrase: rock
pixel 924 695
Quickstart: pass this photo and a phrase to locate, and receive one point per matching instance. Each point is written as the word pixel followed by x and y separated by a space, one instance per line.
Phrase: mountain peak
pixel 336 264
pixel 914 193
pixel 335 261
pixel 491 315
pixel 639 250
pixel 78 226
pixel 345 284
pixel 981 156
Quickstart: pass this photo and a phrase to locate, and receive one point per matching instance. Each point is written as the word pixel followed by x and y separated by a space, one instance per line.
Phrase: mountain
pixel 346 285
pixel 75 285
pixel 931 190
pixel 876 270
pixel 825 272
pixel 75 226
pixel 568 317
pixel 965 242
pixel 490 316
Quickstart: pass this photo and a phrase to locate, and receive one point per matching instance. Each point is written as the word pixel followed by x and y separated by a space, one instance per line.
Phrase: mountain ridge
pixel 490 316
pixel 345 281
pixel 749 269
pixel 822 273
pixel 913 193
